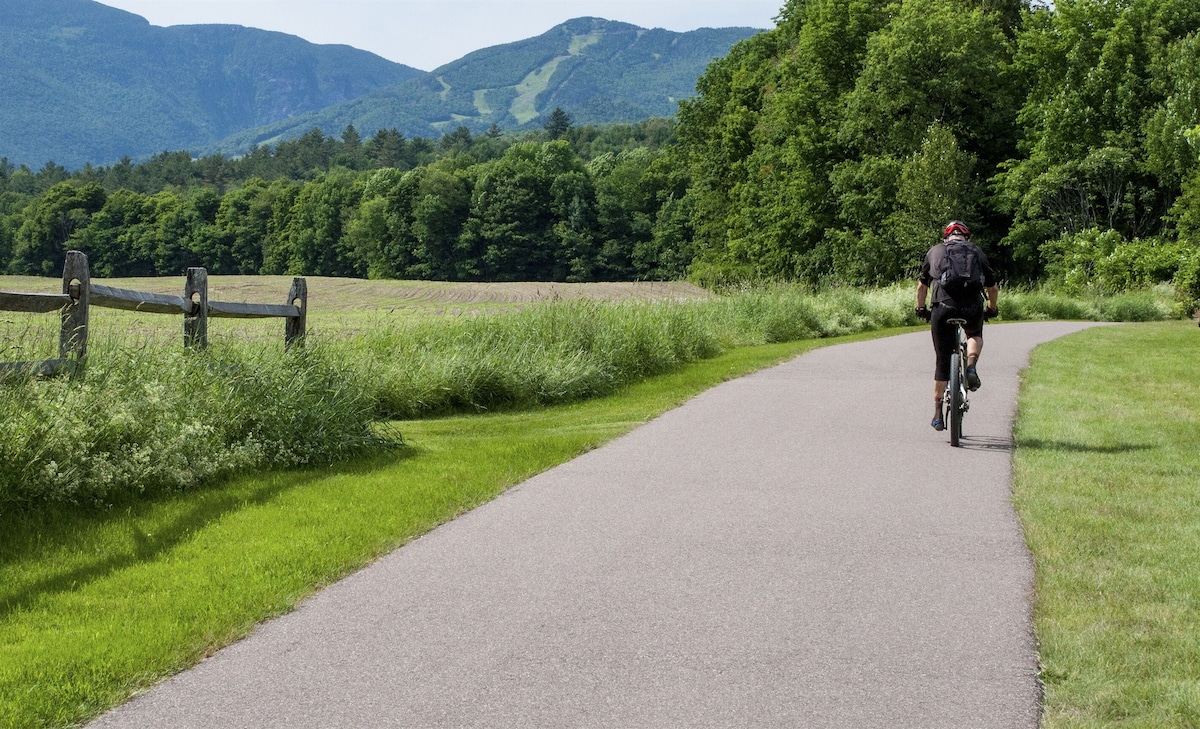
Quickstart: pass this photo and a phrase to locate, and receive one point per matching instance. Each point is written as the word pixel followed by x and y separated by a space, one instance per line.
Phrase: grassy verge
pixel 95 605
pixel 1107 467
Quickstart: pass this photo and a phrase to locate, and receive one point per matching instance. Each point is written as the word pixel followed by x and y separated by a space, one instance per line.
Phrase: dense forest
pixel 835 146
pixel 564 203
pixel 828 150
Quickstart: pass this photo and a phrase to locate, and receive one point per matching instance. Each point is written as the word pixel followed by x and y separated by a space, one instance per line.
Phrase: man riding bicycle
pixel 961 276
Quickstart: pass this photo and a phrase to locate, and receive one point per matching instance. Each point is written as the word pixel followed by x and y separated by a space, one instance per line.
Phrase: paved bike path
pixel 793 548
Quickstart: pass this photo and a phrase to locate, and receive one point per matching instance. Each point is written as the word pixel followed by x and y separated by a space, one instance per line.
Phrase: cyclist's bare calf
pixel 974 349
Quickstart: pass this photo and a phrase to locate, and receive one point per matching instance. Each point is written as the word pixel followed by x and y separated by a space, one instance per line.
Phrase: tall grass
pixel 152 416
pixel 1137 306
pixel 548 353
pixel 161 418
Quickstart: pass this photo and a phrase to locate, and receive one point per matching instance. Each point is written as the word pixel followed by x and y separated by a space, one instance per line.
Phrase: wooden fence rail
pixel 80 294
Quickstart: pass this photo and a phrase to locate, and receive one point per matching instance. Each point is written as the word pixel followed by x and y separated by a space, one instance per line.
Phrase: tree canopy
pixel 467 207
pixel 833 147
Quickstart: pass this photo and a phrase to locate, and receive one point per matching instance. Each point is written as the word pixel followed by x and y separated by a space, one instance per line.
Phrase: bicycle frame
pixel 956 400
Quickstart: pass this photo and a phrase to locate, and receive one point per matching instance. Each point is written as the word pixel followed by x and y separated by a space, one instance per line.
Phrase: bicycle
pixel 956 401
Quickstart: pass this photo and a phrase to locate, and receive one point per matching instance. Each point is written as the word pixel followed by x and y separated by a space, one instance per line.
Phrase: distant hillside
pixel 597 70
pixel 82 82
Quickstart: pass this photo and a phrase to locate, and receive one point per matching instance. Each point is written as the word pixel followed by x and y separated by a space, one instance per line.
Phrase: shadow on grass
pixel 28 536
pixel 1037 444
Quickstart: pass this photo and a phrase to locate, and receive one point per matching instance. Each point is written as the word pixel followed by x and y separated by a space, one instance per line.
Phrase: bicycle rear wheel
pixel 955 388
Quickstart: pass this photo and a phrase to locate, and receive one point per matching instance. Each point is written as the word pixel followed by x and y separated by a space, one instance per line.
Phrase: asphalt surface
pixel 796 548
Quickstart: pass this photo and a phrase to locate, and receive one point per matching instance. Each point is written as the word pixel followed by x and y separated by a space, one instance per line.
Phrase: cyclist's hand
pixel 990 313
pixel 923 313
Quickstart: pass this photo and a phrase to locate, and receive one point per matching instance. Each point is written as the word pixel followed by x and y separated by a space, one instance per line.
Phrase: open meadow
pixel 328 294
pixel 337 306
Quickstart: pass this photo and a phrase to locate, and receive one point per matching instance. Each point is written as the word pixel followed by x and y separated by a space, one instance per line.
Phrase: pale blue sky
pixel 429 33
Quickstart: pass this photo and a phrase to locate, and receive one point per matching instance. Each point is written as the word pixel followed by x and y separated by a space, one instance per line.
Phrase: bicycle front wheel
pixel 956 399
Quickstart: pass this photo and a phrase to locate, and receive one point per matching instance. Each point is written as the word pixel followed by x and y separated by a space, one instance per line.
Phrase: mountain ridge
pixel 87 83
pixel 84 82
pixel 598 70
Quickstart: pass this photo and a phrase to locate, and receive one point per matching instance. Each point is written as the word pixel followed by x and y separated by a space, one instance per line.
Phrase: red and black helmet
pixel 956 227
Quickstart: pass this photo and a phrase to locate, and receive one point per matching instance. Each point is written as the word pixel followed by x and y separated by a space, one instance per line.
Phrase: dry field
pixel 341 306
pixel 432 297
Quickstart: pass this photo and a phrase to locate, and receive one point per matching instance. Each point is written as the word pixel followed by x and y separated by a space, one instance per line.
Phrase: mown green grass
pixel 95 605
pixel 1107 476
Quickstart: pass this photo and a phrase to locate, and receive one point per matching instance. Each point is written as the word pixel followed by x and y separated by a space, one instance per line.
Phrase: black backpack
pixel 960 270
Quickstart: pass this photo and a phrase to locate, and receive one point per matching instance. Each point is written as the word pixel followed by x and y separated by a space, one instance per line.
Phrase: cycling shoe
pixel 973 381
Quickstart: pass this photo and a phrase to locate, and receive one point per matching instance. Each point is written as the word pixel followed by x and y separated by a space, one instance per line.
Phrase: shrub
pixel 1104 262
pixel 1187 283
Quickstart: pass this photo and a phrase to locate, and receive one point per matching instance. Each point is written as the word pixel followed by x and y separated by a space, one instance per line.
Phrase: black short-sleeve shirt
pixel 933 259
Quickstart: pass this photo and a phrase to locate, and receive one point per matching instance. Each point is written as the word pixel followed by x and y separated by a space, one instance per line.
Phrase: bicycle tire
pixel 956 399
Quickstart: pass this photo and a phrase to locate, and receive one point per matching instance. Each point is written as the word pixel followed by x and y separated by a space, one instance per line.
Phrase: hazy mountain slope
pixel 597 70
pixel 83 82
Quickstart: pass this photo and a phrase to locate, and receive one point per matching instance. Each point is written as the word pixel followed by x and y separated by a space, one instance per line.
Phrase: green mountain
pixel 597 70
pixel 84 82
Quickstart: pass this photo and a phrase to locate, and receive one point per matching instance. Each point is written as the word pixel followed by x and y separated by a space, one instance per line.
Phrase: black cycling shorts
pixel 943 333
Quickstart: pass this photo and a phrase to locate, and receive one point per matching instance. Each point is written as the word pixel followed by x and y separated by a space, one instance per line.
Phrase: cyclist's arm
pixel 993 296
pixel 922 294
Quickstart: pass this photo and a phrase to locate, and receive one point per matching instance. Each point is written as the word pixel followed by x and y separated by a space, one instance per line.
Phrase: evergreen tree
pixel 389 148
pixel 558 123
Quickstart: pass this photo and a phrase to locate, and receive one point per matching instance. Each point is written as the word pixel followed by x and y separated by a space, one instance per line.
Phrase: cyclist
pixel 955 297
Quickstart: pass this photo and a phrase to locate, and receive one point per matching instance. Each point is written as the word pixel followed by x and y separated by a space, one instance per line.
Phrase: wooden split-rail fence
pixel 80 295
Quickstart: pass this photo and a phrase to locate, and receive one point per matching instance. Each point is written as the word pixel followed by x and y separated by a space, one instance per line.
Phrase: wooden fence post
pixel 195 324
pixel 80 294
pixel 297 325
pixel 73 336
